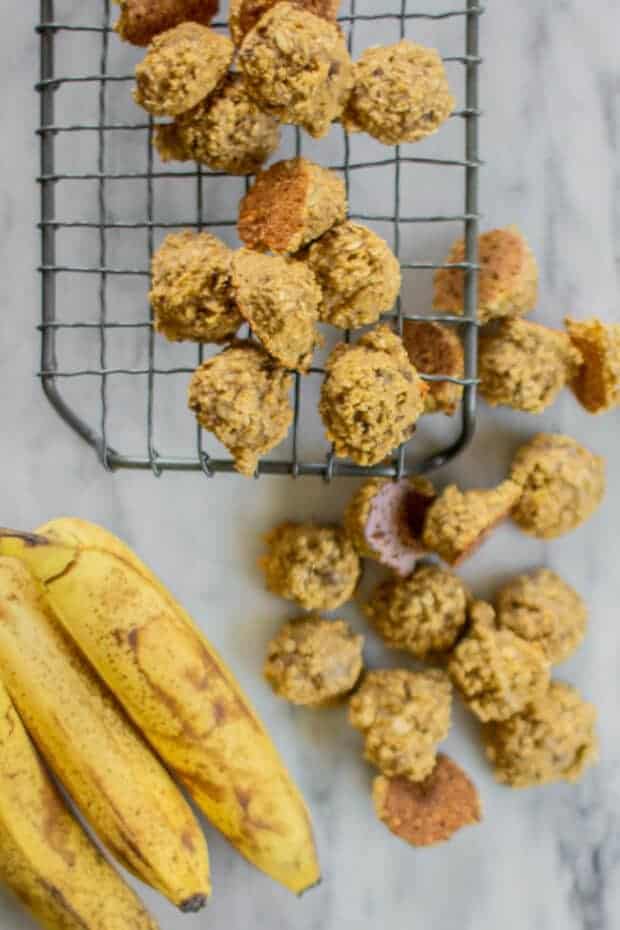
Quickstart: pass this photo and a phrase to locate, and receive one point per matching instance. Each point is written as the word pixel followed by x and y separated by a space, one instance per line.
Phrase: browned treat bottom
pixel 431 811
pixel 141 20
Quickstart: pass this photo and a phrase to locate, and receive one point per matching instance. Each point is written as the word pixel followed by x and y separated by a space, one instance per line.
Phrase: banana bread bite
pixel 371 397
pixel 280 300
pixel 458 522
pixel 431 811
pixel 507 281
pixel 543 609
pixel 524 365
pixel 226 132
pixel 597 383
pixel 244 14
pixel 552 739
pixel 315 566
pixel 436 349
pixel 384 519
pixel 423 614
pixel 191 291
pixel 563 483
pixel 400 93
pixel 497 673
pixel 297 68
pixel 141 20
pixel 181 67
pixel 313 662
pixel 403 716
pixel 358 273
pixel 242 396
pixel 290 205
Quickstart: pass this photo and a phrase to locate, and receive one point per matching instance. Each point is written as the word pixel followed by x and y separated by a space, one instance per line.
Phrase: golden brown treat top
pixel 141 20
pixel 507 281
pixel 497 673
pixel 553 739
pixel 371 396
pixel 227 132
pixel 431 811
pixel 403 716
pixel 543 609
pixel 181 67
pixel 242 396
pixel 280 300
pixel 291 204
pixel 313 662
pixel 316 566
pixel 597 383
pixel 358 272
pixel 423 614
pixel 525 365
pixel 191 290
pixel 400 93
pixel 297 67
pixel 563 484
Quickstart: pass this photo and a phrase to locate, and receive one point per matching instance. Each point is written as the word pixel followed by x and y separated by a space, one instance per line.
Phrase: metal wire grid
pixel 51 374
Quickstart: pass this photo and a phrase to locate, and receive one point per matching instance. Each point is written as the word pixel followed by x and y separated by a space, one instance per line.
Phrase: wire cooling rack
pixel 106 202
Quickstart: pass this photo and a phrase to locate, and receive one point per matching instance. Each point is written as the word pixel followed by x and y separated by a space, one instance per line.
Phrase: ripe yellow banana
pixel 46 857
pixel 177 690
pixel 107 768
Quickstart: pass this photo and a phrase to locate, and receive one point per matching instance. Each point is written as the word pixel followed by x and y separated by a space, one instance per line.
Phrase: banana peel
pixel 112 775
pixel 46 858
pixel 176 689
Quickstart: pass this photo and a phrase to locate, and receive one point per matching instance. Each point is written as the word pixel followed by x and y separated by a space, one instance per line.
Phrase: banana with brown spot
pixel 46 858
pixel 177 690
pixel 112 775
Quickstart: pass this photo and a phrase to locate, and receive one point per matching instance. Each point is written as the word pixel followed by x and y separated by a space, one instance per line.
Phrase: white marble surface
pixel 544 859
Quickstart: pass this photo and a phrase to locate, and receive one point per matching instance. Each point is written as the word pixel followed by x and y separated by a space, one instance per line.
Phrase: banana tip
pixel 311 887
pixel 194 904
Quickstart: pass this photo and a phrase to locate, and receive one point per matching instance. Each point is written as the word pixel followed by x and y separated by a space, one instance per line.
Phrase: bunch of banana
pixel 111 774
pixel 176 689
pixel 46 857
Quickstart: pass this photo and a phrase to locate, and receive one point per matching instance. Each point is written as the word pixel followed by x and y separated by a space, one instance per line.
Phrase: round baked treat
pixel 507 281
pixel 458 522
pixel 280 300
pixel 181 68
pixel 436 349
pixel 597 383
pixel 371 397
pixel 289 205
pixel 385 518
pixel 141 20
pixel 313 662
pixel 424 614
pixel 316 566
pixel 403 716
pixel 497 672
pixel 553 739
pixel 244 14
pixel 297 67
pixel 563 483
pixel 358 273
pixel 431 811
pixel 543 609
pixel 400 93
pixel 242 396
pixel 524 365
pixel 191 290
pixel 226 132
